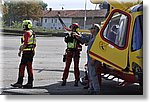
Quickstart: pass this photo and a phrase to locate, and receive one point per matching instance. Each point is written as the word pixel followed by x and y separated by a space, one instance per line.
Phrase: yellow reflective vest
pixel 72 45
pixel 31 42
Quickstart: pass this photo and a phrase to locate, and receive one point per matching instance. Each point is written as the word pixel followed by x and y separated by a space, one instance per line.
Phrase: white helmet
pixel 97 26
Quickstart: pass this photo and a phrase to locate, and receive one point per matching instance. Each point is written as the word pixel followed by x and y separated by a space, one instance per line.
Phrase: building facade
pixel 50 19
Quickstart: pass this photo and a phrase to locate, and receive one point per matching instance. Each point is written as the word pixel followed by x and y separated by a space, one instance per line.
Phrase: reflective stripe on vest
pixel 72 45
pixel 31 42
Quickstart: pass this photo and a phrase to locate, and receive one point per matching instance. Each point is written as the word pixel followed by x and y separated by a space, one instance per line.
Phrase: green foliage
pixel 24 9
pixel 17 27
pixel 41 29
pixel 2 23
pixel 16 24
pixel 44 5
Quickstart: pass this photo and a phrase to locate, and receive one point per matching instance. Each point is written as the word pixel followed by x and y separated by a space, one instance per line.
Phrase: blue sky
pixel 69 4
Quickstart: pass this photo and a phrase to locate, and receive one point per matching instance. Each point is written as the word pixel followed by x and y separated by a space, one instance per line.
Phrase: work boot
pixel 63 83
pixel 29 84
pixel 76 83
pixel 18 83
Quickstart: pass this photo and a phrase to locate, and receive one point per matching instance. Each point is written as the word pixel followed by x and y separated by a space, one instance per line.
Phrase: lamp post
pixel 85 14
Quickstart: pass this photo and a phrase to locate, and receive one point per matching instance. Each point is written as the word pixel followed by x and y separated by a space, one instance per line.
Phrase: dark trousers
pixel 75 55
pixel 26 61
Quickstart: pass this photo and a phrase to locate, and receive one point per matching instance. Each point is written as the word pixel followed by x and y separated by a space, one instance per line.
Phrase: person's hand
pixel 77 35
pixel 20 50
pixel 19 53
pixel 92 62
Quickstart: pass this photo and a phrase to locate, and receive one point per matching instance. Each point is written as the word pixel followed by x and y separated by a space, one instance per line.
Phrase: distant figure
pixel 72 52
pixel 113 33
pixel 27 48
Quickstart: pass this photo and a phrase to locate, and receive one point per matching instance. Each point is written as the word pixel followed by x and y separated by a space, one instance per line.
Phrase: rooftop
pixel 75 13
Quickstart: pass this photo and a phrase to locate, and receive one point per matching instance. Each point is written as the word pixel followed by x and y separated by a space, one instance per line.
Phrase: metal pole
pixel 85 15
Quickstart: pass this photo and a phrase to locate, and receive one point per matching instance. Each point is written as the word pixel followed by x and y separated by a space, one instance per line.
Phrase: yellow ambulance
pixel 119 44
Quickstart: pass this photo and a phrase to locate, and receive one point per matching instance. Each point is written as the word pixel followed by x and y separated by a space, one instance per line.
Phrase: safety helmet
pixel 97 26
pixel 27 23
pixel 74 26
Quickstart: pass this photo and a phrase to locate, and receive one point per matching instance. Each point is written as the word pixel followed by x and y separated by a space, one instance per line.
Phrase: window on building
pixel 45 20
pixel 55 20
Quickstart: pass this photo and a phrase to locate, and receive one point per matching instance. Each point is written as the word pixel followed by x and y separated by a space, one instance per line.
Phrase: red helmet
pixel 74 26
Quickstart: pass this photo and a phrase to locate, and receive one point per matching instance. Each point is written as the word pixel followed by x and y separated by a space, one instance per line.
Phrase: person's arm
pixel 26 39
pixel 20 50
pixel 83 38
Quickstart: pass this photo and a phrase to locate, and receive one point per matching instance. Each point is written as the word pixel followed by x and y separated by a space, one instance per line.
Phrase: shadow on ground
pixel 107 88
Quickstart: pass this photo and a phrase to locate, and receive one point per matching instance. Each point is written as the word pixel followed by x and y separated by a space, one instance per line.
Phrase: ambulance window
pixel 116 30
pixel 137 40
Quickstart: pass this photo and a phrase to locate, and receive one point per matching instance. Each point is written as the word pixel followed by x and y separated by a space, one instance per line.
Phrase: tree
pixel 44 5
pixel 28 10
pixel 19 10
pixel 3 8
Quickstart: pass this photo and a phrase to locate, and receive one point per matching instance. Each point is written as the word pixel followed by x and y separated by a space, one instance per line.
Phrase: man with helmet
pixel 94 84
pixel 73 51
pixel 27 48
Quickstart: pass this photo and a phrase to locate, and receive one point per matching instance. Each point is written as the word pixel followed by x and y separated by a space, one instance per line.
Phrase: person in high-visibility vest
pixel 73 51
pixel 27 48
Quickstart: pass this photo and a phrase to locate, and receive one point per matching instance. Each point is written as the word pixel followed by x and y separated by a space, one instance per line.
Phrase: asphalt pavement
pixel 48 68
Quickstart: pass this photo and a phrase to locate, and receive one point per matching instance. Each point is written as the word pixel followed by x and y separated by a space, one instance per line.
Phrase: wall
pixel 54 23
pixel 89 21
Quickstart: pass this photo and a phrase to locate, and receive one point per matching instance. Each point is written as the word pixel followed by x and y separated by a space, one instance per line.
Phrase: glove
pixel 19 53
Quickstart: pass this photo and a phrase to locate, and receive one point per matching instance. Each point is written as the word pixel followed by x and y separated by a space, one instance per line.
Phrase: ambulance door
pixel 111 44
